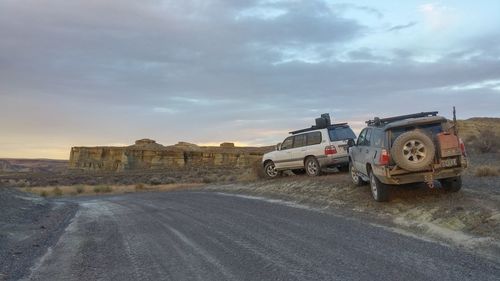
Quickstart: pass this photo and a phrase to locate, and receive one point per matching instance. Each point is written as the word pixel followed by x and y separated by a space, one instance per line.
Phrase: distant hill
pixel 475 125
pixel 8 165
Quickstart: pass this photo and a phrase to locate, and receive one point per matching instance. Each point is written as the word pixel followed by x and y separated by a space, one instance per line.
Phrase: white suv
pixel 312 149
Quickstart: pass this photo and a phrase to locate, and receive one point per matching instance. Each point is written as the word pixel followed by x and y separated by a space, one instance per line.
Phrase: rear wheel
pixel 356 179
pixel 451 184
pixel 312 167
pixel 380 191
pixel 413 151
pixel 270 170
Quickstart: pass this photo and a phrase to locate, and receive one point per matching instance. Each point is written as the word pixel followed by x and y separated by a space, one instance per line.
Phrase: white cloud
pixel 437 17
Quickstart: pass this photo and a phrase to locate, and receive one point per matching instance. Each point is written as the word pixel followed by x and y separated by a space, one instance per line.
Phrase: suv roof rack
pixel 317 128
pixel 384 121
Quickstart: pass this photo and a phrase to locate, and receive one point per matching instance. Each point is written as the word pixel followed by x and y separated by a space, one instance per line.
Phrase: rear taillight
pixel 462 147
pixel 384 158
pixel 330 150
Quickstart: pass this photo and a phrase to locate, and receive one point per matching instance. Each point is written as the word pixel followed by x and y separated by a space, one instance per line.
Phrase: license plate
pixel 449 163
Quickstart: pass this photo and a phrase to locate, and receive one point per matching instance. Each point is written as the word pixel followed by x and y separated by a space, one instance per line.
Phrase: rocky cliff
pixel 146 154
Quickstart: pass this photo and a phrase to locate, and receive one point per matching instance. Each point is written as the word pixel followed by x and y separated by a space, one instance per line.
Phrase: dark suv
pixel 420 147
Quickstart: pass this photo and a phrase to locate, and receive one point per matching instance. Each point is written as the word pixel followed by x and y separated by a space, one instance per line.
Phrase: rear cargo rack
pixel 384 121
pixel 318 127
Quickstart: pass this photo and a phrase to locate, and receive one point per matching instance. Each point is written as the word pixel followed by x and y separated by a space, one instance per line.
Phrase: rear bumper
pixel 333 161
pixel 390 176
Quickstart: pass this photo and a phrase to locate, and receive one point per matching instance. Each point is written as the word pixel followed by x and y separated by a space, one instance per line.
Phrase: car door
pixel 283 158
pixel 367 150
pixel 360 150
pixel 299 151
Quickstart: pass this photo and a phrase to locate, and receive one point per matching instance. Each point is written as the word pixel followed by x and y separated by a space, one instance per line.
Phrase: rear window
pixel 378 138
pixel 341 133
pixel 432 129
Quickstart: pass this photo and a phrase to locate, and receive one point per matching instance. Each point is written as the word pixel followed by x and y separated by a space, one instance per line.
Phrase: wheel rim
pixel 312 168
pixel 414 151
pixel 271 170
pixel 373 185
pixel 354 175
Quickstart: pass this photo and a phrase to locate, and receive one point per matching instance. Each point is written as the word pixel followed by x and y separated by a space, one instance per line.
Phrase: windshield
pixel 341 133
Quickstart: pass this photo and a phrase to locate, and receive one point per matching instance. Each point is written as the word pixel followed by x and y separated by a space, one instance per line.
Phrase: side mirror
pixel 278 146
pixel 351 143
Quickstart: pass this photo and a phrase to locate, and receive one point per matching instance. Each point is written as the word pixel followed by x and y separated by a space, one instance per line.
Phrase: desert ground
pixel 130 216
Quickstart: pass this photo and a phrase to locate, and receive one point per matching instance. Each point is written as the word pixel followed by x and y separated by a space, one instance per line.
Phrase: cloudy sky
pixel 108 72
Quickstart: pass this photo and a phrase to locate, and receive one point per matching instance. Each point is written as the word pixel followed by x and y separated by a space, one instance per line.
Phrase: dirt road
pixel 212 236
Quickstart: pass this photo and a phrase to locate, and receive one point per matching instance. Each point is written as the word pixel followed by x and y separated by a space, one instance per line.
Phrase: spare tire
pixel 413 151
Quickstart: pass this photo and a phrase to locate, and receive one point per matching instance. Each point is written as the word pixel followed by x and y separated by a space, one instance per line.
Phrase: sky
pixel 109 72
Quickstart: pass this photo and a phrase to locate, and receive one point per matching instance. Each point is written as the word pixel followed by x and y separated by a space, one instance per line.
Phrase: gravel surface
pixel 212 236
pixel 28 226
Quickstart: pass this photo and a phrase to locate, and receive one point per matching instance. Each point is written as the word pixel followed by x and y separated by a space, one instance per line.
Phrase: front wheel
pixel 380 191
pixel 312 167
pixel 356 179
pixel 451 184
pixel 270 170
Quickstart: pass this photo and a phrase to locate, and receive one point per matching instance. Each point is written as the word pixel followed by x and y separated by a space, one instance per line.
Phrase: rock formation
pixel 146 154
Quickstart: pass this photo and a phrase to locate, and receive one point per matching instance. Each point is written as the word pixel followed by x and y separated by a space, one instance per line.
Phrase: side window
pixel 299 141
pixel 378 138
pixel 287 143
pixel 362 137
pixel 314 138
pixel 368 137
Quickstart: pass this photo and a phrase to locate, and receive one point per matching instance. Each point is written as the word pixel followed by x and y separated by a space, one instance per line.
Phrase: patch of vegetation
pixel 154 181
pixel 486 171
pixel 57 191
pixel 103 189
pixel 139 186
pixel 79 189
pixel 487 141
pixel 97 189
pixel 44 193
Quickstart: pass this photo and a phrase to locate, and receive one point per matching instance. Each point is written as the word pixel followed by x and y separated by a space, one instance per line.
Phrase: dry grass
pixel 104 189
pixel 486 171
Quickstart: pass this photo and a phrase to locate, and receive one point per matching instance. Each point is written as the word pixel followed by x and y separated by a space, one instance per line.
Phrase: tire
pixel 413 151
pixel 299 171
pixel 380 191
pixel 270 170
pixel 356 179
pixel 451 184
pixel 312 167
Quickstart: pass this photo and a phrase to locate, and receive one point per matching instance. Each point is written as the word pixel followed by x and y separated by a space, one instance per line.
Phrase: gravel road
pixel 192 235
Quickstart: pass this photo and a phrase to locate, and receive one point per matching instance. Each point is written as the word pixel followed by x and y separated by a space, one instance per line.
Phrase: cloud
pixel 100 72
pixel 402 26
pixel 437 16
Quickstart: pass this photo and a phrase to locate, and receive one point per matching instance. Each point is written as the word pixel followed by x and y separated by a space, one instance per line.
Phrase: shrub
pixel 79 189
pixel 487 141
pixel 57 191
pixel 169 180
pixel 97 189
pixel 106 189
pixel 207 180
pixel 139 186
pixel 486 171
pixel 44 193
pixel 154 181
